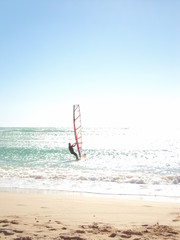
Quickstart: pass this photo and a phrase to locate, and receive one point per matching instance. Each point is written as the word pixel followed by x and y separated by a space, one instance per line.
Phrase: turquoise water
pixel 119 161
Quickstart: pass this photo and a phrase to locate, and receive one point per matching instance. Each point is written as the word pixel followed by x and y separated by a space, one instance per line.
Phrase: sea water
pixel 119 161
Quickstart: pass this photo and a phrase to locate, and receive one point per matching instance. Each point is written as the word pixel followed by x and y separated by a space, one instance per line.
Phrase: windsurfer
pixel 72 150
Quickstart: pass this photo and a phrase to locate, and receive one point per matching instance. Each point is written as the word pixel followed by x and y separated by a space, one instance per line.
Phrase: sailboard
pixel 77 127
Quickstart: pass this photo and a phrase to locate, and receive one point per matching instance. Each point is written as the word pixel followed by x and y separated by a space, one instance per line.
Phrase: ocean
pixel 130 162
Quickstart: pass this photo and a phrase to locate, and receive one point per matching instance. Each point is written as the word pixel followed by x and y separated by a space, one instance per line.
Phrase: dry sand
pixel 25 216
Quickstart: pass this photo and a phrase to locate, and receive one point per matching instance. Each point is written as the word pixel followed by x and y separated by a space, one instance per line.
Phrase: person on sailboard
pixel 72 150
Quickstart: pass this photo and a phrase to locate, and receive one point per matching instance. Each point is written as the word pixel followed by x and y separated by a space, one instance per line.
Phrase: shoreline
pixel 152 198
pixel 69 215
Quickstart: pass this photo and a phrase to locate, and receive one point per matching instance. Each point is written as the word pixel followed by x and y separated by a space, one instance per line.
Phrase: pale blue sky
pixel 119 59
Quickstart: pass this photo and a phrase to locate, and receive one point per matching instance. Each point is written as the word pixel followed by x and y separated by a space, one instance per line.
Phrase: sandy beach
pixel 25 216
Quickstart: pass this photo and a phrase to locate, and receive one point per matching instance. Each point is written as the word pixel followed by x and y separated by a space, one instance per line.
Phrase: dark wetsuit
pixel 72 151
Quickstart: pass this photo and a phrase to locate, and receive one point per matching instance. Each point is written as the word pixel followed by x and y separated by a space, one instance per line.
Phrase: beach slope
pixel 26 216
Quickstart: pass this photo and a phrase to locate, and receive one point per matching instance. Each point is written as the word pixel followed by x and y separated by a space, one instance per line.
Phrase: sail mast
pixel 77 127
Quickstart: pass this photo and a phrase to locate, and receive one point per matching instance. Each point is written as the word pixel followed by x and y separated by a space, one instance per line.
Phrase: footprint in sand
pixel 4 221
pixel 9 222
pixel 177 218
pixel 71 238
pixel 112 235
pixel 5 232
pixel 23 238
pixel 18 231
pixel 14 222
pixel 80 231
pixel 58 222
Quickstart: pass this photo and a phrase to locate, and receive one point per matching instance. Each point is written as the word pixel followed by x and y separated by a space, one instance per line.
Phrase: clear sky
pixel 119 59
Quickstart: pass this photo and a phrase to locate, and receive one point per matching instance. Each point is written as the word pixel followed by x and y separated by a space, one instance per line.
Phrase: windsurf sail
pixel 77 127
